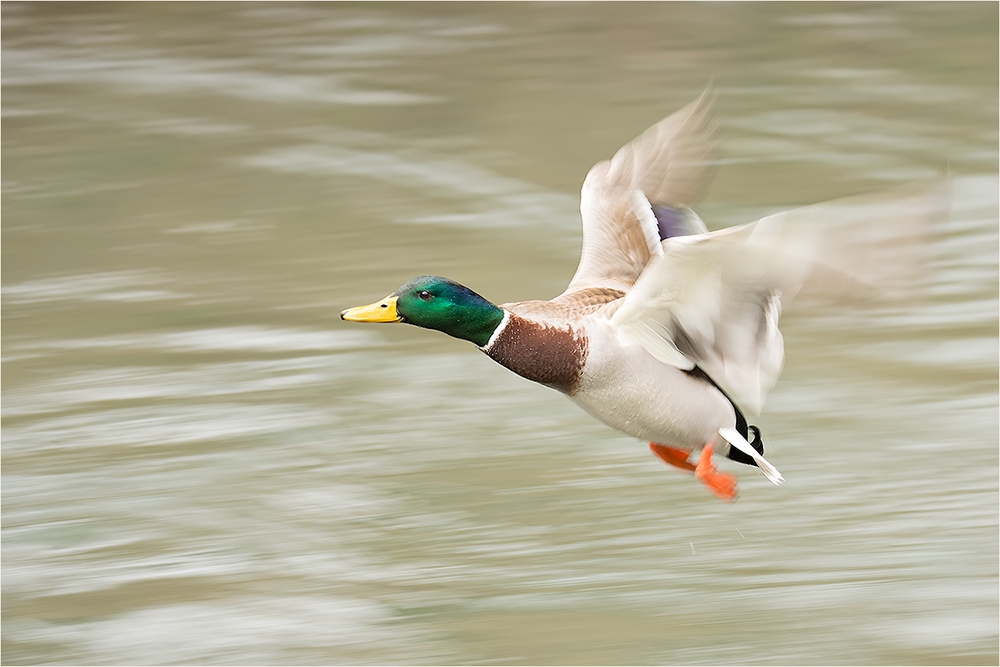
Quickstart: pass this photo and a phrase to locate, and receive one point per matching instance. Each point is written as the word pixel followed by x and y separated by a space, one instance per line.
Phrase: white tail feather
pixel 734 438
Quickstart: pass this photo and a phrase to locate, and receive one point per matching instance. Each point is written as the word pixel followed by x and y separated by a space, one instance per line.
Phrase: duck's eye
pixel 425 295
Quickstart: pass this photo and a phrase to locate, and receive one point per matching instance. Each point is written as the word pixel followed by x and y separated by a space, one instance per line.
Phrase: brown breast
pixel 549 355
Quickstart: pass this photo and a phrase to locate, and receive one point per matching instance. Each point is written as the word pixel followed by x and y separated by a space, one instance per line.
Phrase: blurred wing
pixel 632 202
pixel 713 300
pixel 874 245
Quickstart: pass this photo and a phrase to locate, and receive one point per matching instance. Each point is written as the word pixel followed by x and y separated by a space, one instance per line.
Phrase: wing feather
pixel 714 300
pixel 664 167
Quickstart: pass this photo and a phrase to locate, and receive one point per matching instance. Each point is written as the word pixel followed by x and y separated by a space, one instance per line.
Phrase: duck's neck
pixel 497 330
pixel 478 325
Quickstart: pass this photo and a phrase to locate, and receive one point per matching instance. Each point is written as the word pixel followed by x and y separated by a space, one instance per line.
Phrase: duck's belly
pixel 629 390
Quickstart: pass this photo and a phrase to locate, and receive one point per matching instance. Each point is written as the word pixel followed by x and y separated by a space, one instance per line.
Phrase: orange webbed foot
pixel 673 455
pixel 720 483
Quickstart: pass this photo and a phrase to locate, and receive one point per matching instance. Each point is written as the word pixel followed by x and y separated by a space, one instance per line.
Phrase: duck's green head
pixel 433 302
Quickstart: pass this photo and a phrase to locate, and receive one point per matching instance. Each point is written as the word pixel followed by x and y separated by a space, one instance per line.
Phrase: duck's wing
pixel 633 201
pixel 713 300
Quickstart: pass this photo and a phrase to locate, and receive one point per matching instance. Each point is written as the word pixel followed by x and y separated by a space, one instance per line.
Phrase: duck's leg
pixel 673 455
pixel 720 483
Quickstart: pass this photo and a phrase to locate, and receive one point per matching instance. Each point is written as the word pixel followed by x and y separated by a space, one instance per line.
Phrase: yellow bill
pixel 380 311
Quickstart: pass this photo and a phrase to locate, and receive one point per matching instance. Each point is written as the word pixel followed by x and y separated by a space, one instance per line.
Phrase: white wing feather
pixel 667 165
pixel 713 300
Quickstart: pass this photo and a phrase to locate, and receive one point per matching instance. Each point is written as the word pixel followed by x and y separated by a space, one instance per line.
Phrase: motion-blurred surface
pixel 202 464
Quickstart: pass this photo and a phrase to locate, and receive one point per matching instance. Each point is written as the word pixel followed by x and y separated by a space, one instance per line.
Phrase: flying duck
pixel 667 332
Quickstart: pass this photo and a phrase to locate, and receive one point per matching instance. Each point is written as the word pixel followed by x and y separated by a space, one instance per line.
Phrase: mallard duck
pixel 667 332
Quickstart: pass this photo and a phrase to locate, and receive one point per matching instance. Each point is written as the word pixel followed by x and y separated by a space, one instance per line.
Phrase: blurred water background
pixel 203 464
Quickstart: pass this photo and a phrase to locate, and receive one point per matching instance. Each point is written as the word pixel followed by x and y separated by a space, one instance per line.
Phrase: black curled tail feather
pixel 756 442
pixel 745 430
pixel 741 425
